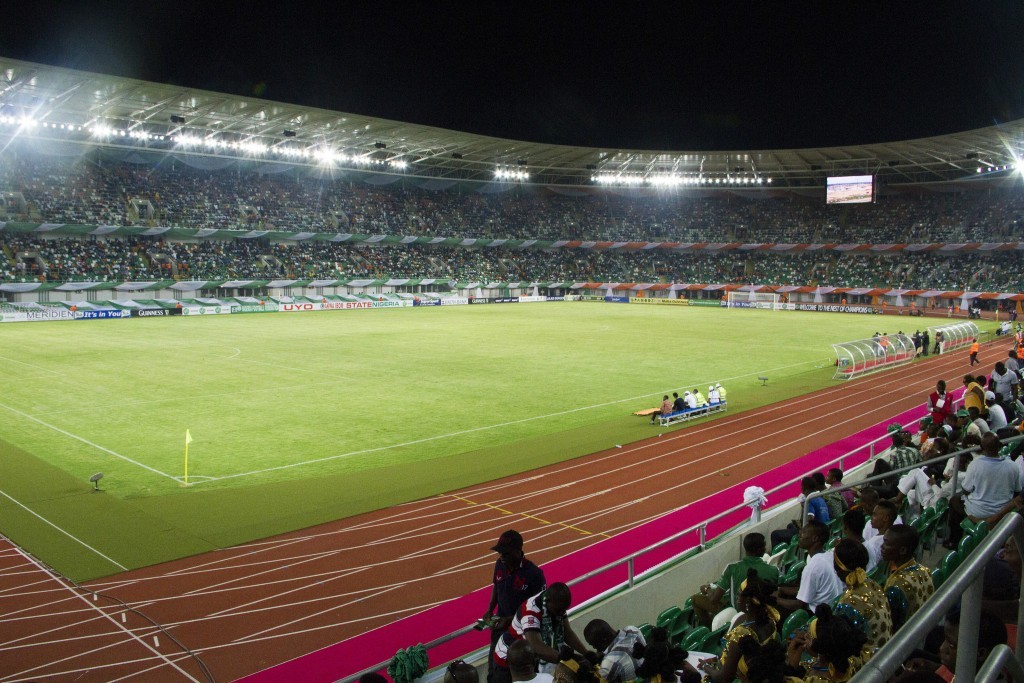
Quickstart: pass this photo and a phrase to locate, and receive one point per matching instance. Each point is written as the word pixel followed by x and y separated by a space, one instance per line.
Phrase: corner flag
pixel 188 437
pixel 188 440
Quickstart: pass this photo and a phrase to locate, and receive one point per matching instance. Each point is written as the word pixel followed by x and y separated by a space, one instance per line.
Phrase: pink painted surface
pixel 355 654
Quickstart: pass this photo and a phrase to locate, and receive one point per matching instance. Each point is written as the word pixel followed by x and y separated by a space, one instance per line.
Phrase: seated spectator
pixel 816 510
pixel 678 404
pixel 818 581
pixel 522 665
pixel 1001 592
pixel 542 620
pixel 991 484
pixel 833 501
pixel 996 414
pixel 713 598
pixel 661 660
pixel 461 672
pixel 616 650
pixel 834 644
pixel 883 516
pixel 854 522
pixel 759 620
pixel 909 583
pixel 834 478
pixel 665 411
pixel 863 601
pixel 991 632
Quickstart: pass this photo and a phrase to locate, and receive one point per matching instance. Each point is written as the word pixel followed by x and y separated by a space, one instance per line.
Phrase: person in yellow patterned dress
pixel 759 621
pixel 834 644
pixel 863 601
pixel 909 583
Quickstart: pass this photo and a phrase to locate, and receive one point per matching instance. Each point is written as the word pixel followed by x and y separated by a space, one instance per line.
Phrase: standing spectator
pixel 974 393
pixel 617 663
pixel 909 583
pixel 1012 362
pixel 1005 383
pixel 974 351
pixel 940 405
pixel 925 339
pixel 515 579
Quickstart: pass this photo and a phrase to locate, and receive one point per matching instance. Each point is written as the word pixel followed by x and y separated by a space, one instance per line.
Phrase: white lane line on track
pixel 118 626
pixel 919 369
pixel 85 441
pixel 66 533
pixel 690 432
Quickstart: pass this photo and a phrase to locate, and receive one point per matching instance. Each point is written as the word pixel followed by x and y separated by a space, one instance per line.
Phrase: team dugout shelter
pixel 865 356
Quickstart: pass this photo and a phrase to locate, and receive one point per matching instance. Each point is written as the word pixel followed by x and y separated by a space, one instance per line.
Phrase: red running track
pixel 246 608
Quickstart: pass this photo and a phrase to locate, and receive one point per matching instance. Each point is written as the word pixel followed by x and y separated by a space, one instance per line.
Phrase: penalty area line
pixel 86 441
pixel 472 430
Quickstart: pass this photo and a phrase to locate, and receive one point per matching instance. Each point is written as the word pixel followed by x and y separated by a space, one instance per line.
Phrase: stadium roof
pixel 67 105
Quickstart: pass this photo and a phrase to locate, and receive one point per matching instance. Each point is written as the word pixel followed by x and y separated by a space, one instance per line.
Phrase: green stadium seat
pixel 668 617
pixel 792 574
pixel 794 621
pixel 938 577
pixel 694 640
pixel 645 631
pixel 713 642
pixel 950 562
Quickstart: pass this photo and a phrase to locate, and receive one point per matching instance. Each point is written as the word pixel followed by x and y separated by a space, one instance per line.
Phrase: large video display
pixel 850 189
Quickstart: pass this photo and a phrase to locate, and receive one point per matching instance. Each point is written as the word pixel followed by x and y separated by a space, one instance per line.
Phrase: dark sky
pixel 682 76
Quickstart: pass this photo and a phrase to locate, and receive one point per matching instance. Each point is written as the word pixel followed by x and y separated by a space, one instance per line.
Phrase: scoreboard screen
pixel 850 189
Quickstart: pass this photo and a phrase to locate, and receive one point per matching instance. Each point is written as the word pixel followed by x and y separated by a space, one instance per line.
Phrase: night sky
pixel 675 76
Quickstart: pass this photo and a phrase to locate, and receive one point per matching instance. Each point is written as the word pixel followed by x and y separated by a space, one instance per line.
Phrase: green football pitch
pixel 298 419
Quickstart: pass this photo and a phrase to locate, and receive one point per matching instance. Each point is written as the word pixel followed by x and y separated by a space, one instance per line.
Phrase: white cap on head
pixel 686 393
pixel 990 396
pixel 711 388
pixel 719 386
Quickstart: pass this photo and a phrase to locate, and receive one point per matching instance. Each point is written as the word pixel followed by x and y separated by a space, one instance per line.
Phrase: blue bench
pixel 691 414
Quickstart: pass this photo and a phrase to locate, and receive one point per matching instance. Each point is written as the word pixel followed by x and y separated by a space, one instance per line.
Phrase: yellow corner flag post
pixel 188 440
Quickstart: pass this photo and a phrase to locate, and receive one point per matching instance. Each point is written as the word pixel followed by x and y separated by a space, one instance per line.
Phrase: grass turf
pixel 324 415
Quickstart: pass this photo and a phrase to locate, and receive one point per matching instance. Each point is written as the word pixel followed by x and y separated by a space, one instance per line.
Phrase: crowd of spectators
pixel 34 258
pixel 94 191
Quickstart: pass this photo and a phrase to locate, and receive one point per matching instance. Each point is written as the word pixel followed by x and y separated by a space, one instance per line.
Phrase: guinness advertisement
pixel 155 312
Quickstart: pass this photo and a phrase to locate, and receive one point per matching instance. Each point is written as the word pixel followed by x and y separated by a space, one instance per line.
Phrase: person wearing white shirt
pixel 992 483
pixel 996 414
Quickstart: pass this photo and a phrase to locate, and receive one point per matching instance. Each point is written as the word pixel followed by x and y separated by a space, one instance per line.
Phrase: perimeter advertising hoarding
pixel 656 300
pixel 155 312
pixel 102 314
pixel 34 316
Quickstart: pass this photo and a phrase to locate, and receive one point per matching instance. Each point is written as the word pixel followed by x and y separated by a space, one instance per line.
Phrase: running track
pixel 246 608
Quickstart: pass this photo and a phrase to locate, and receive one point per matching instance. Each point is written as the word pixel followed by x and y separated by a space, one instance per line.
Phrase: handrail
pixel 906 468
pixel 1000 658
pixel 629 560
pixel 965 583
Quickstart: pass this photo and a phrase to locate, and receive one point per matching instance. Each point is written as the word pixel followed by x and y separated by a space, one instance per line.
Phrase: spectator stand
pixel 963 586
pixel 864 356
pixel 691 546
pixel 955 335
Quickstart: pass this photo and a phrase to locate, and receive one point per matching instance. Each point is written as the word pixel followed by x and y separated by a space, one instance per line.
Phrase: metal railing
pixel 964 586
pixel 957 456
pixel 630 560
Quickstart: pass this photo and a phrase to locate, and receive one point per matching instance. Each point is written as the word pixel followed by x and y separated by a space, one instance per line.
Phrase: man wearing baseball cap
pixel 996 414
pixel 515 579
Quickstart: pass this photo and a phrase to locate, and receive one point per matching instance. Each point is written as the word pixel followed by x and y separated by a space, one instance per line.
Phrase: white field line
pixel 119 627
pixel 85 441
pixel 30 365
pixel 66 533
pixel 682 434
pixel 630 523
pixel 482 428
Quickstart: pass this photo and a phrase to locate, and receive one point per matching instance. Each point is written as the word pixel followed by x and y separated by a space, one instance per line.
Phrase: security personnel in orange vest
pixel 974 352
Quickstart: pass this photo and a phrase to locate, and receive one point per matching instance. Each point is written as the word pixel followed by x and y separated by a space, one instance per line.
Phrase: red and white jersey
pixel 529 617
